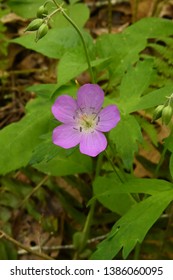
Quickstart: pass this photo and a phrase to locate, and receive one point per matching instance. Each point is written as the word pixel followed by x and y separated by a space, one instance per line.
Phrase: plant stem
pixel 82 39
pixel 34 190
pixel 114 169
pixel 89 219
pixel 20 245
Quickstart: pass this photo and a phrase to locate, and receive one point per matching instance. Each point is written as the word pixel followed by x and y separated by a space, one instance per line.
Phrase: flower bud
pixel 42 31
pixel 167 114
pixel 158 112
pixel 34 25
pixel 42 12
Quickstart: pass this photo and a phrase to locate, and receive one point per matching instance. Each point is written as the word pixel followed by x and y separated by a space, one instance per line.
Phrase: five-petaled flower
pixel 84 120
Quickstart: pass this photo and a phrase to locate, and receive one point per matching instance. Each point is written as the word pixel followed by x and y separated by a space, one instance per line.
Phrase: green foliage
pixel 25 8
pixel 134 225
pixel 125 48
pixel 133 81
pixel 57 42
pixel 62 164
pixel 19 139
pixel 126 142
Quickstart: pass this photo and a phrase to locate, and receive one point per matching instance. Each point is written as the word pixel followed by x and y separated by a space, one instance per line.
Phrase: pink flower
pixel 84 120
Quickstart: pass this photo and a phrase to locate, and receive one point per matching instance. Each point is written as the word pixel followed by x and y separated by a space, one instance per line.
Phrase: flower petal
pixel 66 136
pixel 108 118
pixel 90 96
pixel 64 109
pixel 92 144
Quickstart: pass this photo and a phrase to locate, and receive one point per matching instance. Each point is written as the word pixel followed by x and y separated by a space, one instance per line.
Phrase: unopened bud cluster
pixel 40 24
pixel 164 111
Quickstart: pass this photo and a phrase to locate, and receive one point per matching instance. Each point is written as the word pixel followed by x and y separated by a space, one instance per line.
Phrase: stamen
pixel 75 128
pixel 74 117
pixel 98 120
pixel 80 129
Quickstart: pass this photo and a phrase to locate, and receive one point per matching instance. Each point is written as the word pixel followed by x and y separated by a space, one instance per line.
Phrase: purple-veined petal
pixel 90 97
pixel 66 136
pixel 93 144
pixel 64 109
pixel 108 118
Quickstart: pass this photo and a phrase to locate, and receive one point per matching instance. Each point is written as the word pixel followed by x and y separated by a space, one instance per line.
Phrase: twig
pixel 20 245
pixel 62 247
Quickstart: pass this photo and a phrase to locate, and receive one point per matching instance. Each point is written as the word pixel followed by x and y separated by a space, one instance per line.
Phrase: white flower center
pixel 86 123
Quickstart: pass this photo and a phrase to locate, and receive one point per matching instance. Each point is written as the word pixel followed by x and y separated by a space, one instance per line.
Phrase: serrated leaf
pixel 126 136
pixel 125 47
pixel 152 99
pixel 134 83
pixel 133 226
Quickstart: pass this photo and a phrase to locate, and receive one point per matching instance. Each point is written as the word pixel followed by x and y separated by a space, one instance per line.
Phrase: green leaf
pixel 25 8
pixel 19 139
pixel 111 186
pixel 73 11
pixel 125 47
pixel 133 226
pixel 28 9
pixel 126 136
pixel 109 192
pixel 152 99
pixel 63 164
pixel 45 151
pixel 134 83
pixel 56 42
pixel 74 63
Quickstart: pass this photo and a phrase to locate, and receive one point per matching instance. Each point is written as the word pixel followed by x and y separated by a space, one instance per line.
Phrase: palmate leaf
pixel 134 83
pixel 133 226
pixel 115 195
pixel 125 48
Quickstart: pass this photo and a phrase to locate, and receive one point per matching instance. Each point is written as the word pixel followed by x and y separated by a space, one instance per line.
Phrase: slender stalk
pixel 82 39
pixel 114 169
pixel 20 245
pixel 34 190
pixel 89 219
